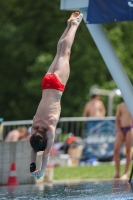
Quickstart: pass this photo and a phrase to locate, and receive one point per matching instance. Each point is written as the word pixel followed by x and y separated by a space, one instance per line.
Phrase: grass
pixel 102 171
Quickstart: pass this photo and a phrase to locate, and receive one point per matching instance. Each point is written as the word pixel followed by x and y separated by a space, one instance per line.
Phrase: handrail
pixel 8 123
pixel 62 119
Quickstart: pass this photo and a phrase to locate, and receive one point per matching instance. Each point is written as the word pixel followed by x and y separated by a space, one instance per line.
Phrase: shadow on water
pixel 98 190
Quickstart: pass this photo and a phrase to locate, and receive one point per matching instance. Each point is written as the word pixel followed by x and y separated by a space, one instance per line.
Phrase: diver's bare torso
pixel 125 116
pixel 48 111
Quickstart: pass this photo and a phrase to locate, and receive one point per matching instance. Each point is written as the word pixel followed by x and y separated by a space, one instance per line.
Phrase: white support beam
pixel 113 63
pixel 73 4
pixel 110 58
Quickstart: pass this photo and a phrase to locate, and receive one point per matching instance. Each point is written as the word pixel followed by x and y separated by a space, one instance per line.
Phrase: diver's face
pixel 35 129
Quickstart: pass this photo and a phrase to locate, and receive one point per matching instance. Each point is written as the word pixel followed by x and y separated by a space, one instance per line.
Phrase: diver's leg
pixel 62 68
pixel 59 45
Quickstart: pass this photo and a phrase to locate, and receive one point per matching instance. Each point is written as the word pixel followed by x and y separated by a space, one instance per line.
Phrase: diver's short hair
pixel 38 141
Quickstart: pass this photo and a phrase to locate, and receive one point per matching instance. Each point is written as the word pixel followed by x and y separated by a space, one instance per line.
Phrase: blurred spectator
pixel 74 148
pixel 124 125
pixel 71 141
pixel 94 108
pixel 21 133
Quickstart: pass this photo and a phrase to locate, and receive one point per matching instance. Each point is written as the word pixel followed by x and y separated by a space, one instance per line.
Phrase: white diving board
pixel 105 48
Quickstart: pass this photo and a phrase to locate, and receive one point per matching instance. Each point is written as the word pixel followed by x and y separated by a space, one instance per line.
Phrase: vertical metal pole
pixel 115 67
pixel 110 105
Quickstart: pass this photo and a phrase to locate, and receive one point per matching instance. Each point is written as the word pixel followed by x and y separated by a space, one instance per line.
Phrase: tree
pixel 28 36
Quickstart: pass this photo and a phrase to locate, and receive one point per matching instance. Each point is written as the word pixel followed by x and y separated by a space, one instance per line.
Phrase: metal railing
pixel 65 125
pixel 7 126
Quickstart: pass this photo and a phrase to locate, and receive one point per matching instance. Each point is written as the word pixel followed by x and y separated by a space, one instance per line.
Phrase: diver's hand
pixel 38 174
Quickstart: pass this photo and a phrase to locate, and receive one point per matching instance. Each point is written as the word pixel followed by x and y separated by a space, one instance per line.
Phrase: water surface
pixel 102 190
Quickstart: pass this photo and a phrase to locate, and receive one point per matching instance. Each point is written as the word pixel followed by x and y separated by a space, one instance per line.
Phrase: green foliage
pixel 37 71
pixel 28 36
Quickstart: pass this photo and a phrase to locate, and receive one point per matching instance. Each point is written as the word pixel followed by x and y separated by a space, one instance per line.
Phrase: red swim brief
pixel 50 81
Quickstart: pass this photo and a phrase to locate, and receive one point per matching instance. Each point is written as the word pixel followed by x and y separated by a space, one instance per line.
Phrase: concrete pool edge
pixel 68 181
pixel 84 180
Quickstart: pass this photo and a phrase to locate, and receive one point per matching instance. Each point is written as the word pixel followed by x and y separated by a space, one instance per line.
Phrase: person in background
pixel 71 139
pixel 124 125
pixel 15 135
pixel 94 108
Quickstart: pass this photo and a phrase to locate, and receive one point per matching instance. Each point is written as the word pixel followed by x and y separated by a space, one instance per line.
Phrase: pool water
pixel 98 190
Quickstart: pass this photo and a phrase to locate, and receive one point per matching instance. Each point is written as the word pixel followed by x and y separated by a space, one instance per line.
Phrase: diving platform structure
pixel 105 48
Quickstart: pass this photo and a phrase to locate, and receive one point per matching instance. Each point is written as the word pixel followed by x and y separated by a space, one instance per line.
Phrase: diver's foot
pixel 124 177
pixel 77 20
pixel 73 16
